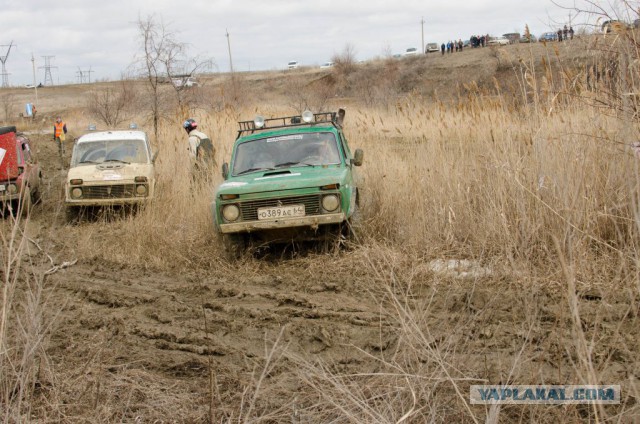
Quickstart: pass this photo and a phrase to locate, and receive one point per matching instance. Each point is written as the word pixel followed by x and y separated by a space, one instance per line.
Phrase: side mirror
pixel 341 114
pixel 153 159
pixel 225 170
pixel 358 157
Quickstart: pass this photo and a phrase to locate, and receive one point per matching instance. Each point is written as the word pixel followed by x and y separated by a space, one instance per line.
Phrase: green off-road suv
pixel 290 178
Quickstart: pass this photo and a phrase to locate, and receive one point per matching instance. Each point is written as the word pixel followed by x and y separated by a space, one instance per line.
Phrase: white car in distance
pixel 499 41
pixel 411 51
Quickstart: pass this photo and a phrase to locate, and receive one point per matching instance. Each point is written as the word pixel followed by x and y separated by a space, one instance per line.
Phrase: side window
pixel 19 150
pixel 345 147
pixel 26 152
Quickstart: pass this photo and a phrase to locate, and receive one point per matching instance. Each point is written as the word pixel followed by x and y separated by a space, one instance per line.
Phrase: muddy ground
pixel 132 344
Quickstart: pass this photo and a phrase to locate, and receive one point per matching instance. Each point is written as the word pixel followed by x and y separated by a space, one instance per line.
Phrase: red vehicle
pixel 20 173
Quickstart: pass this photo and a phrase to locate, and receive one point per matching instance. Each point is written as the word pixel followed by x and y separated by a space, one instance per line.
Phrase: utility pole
pixel 422 25
pixel 35 86
pixel 229 47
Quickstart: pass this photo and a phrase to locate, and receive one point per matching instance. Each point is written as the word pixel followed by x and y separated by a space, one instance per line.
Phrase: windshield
pixel 307 149
pixel 126 151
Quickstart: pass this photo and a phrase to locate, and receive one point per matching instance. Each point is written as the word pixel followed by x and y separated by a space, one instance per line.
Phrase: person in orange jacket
pixel 59 131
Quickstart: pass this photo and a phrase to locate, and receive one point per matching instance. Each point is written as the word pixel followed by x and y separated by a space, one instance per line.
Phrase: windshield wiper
pixel 246 171
pixel 89 161
pixel 280 165
pixel 117 160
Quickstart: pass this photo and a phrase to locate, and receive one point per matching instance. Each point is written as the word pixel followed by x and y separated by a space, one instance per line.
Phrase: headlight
pixel 231 212
pixel 330 202
pixel 12 189
pixel 141 189
pixel 76 193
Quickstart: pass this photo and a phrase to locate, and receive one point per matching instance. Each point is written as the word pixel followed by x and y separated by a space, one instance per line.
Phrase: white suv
pixel 110 168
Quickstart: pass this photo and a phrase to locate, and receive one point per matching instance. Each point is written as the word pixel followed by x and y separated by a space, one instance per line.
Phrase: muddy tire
pixel 27 201
pixel 72 214
pixel 330 238
pixel 36 196
pixel 235 246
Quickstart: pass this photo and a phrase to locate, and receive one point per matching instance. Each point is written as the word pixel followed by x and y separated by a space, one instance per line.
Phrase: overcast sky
pixel 103 35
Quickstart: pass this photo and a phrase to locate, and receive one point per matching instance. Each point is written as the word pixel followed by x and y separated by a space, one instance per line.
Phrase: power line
pixel 3 59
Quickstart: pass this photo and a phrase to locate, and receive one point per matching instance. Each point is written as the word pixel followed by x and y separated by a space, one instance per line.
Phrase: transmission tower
pixel 3 59
pixel 48 79
pixel 84 76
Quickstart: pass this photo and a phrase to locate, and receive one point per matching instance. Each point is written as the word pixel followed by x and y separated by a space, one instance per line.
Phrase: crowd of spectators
pixel 478 41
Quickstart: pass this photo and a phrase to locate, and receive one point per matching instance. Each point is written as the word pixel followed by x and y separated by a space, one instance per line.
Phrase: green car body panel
pixel 272 190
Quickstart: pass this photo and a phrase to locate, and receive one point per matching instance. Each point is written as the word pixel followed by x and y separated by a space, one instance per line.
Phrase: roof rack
pixel 291 121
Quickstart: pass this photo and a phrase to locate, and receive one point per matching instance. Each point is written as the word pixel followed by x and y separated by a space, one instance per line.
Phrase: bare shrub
pixel 24 322
pixel 312 95
pixel 344 63
pixel 376 87
pixel 7 104
pixel 113 105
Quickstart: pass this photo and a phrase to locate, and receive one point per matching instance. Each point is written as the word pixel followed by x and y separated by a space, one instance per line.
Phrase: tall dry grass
pixel 544 189
pixel 24 323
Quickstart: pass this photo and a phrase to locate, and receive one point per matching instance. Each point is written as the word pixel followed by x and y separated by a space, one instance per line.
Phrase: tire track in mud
pixel 167 319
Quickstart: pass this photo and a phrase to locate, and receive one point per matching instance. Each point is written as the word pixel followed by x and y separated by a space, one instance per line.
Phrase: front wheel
pixel 27 201
pixel 234 245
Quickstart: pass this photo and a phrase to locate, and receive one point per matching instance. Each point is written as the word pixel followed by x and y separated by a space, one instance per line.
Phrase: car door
pixel 26 161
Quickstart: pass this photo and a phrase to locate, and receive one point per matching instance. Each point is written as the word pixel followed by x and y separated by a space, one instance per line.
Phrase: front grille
pixel 109 191
pixel 249 209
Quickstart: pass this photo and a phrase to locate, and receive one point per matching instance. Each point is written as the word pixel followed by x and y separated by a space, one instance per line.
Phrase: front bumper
pixel 308 221
pixel 6 197
pixel 109 202
pixel 107 195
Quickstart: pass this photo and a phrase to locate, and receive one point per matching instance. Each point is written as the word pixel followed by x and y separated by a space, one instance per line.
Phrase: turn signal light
pixel 140 179
pixel 77 181
pixel 229 196
pixel 330 187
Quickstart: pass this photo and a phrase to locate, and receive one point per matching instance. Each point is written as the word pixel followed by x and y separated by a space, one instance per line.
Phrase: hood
pixel 285 179
pixel 8 156
pixel 112 172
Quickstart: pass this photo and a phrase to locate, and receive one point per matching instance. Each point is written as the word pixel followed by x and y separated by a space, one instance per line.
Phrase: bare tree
pixel 164 60
pixel 113 104
pixel 154 39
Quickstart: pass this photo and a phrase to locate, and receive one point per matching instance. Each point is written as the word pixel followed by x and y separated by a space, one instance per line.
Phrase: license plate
pixel 1 188
pixel 276 212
